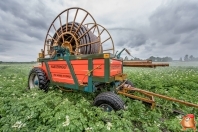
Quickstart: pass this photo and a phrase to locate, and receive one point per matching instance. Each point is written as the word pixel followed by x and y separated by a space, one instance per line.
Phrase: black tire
pixel 109 101
pixel 130 83
pixel 38 79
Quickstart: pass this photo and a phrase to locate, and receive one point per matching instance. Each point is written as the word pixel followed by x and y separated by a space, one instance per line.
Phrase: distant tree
pixel 180 59
pixel 191 58
pixel 170 59
pixel 126 58
pixel 186 58
pixel 136 58
pixel 158 59
pixel 152 58
pixel 166 59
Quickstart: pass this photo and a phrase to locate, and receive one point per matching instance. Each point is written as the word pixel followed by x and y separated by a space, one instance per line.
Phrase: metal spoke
pixel 67 20
pixel 101 32
pixel 86 32
pixel 61 28
pixel 68 38
pixel 80 26
pixel 87 44
pixel 81 23
pixel 55 29
pixel 74 20
pixel 106 40
pixel 51 37
pixel 94 30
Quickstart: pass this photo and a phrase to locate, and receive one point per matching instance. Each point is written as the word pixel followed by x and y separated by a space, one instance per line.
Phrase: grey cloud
pixel 139 39
pixel 35 16
pixel 4 47
pixel 148 48
pixel 38 34
pixel 24 19
pixel 190 38
pixel 130 38
pixel 23 23
pixel 177 16
pixel 175 22
pixel 137 49
pixel 171 40
pixel 121 29
pixel 153 44
pixel 172 27
pixel 172 23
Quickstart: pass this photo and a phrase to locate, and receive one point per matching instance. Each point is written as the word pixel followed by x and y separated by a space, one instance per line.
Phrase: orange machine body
pixel 60 71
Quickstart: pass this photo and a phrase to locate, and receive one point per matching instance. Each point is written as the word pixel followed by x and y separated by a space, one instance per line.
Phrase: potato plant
pixel 23 110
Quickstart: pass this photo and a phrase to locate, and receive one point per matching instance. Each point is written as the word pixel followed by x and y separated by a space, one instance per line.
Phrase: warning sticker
pixel 61 75
pixel 59 66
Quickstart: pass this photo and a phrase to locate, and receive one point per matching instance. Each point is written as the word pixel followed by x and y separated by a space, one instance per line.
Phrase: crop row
pixel 23 110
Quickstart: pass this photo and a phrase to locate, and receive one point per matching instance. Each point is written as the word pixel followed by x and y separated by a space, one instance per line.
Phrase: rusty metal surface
pixel 127 89
pixel 143 63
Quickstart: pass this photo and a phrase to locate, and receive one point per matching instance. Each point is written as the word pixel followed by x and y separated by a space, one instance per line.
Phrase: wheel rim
pixel 106 107
pixel 33 81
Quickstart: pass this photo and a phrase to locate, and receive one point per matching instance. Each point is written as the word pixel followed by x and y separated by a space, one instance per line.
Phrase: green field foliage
pixel 22 110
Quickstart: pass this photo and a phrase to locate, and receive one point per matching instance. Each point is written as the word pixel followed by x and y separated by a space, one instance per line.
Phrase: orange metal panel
pixel 60 72
pixel 115 67
pixel 43 67
pixel 81 70
pixel 80 66
pixel 99 72
pixel 82 78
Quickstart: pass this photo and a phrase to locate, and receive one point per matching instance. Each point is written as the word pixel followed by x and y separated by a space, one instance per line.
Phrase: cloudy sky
pixel 146 27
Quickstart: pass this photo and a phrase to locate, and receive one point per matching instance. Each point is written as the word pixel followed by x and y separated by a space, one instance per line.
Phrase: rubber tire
pixel 42 78
pixel 130 83
pixel 110 99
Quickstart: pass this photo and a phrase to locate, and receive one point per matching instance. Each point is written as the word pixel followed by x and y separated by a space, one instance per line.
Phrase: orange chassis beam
pixel 143 63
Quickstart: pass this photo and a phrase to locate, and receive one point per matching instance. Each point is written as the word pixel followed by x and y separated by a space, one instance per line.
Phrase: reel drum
pixel 69 30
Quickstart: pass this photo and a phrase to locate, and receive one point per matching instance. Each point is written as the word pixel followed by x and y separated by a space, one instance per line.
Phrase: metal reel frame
pixel 60 39
pixel 109 38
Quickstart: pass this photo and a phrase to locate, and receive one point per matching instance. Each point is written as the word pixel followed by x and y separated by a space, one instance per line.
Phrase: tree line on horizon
pixel 186 58
pixel 166 59
pixel 189 58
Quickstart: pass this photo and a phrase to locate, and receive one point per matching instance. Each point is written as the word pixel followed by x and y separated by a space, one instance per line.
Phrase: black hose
pixel 87 38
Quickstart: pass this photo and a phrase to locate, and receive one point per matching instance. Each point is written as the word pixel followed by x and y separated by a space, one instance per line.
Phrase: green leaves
pixel 35 110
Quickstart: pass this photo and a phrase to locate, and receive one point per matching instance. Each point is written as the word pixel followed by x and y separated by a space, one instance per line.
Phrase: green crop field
pixel 25 111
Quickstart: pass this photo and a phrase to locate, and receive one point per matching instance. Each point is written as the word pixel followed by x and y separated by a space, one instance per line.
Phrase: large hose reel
pixel 76 30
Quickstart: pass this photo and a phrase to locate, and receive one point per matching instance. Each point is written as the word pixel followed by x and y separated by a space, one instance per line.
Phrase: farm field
pixel 23 110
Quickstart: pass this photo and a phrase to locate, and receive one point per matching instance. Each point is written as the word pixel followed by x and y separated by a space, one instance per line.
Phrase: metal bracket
pixel 127 89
